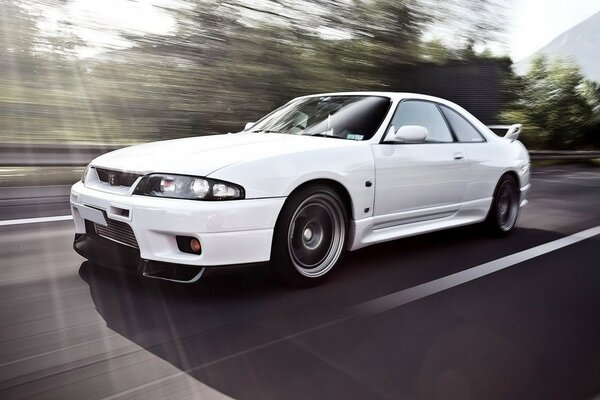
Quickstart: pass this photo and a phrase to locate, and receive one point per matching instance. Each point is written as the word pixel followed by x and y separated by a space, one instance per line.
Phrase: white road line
pixel 383 303
pixel 415 293
pixel 406 296
pixel 35 220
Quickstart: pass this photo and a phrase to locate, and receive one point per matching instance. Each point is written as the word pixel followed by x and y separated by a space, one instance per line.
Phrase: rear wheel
pixel 504 211
pixel 310 236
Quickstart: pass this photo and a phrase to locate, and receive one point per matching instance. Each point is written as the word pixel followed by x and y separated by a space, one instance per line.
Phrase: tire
pixel 504 211
pixel 310 236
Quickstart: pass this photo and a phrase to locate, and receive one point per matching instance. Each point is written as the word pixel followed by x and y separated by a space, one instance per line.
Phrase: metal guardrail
pixel 50 155
pixel 563 155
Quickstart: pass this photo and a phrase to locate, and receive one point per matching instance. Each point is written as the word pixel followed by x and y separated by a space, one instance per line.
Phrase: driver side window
pixel 415 112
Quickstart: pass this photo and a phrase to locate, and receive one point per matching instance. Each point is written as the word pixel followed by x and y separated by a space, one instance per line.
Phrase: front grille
pixel 117 231
pixel 117 178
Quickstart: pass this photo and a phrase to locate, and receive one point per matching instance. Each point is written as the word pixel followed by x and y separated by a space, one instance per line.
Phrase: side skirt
pixel 364 232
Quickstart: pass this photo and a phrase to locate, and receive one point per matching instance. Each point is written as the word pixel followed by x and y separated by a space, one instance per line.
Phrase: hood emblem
pixel 112 180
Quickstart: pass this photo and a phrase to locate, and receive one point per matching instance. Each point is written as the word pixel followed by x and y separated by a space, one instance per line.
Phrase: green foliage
pixel 559 108
pixel 229 62
pixel 591 92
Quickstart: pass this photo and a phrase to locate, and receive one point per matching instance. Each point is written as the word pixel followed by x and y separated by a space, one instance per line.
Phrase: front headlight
pixel 187 187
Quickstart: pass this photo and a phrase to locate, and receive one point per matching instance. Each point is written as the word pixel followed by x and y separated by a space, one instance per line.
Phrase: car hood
pixel 205 154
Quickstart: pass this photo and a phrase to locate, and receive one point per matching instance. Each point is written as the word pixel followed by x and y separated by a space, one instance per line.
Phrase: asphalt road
pixel 34 201
pixel 72 330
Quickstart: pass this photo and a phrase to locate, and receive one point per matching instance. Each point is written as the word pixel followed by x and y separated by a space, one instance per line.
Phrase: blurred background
pixel 81 77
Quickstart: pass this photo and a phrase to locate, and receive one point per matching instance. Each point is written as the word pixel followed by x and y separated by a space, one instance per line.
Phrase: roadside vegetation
pixel 225 63
pixel 228 62
pixel 559 108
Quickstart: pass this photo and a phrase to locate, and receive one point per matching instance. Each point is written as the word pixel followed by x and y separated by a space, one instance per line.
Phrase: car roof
pixel 397 96
pixel 392 95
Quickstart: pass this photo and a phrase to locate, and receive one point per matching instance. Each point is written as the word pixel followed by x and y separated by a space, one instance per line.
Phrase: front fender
pixel 278 176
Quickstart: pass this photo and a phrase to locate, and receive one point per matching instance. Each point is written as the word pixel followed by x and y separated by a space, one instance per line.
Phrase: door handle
pixel 459 156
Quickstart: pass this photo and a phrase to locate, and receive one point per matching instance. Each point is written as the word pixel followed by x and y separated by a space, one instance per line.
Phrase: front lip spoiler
pixel 123 258
pixel 171 272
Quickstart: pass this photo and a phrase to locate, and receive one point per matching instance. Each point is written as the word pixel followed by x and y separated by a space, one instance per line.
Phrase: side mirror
pixel 410 134
pixel 249 125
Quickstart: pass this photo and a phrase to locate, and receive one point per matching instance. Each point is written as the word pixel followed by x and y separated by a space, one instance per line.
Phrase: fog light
pixel 189 244
pixel 195 245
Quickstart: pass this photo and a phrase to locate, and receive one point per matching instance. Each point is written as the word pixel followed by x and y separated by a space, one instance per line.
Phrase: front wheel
pixel 310 236
pixel 504 211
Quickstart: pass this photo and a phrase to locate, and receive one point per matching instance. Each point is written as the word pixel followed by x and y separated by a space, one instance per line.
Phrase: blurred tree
pixel 468 51
pixel 436 52
pixel 226 63
pixel 559 109
pixel 591 91
pixel 37 77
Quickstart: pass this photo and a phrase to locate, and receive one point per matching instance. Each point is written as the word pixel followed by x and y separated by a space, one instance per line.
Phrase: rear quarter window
pixel 464 131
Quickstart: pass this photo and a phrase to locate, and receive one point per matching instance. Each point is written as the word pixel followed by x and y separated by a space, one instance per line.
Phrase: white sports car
pixel 322 175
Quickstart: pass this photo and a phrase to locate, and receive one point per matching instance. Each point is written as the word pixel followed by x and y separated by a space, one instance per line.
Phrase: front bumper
pixel 230 232
pixel 123 258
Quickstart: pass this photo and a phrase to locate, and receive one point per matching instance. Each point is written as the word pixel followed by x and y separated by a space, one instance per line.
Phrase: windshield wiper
pixel 265 131
pixel 323 135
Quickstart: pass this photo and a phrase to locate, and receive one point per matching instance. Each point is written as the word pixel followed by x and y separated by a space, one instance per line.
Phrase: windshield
pixel 342 117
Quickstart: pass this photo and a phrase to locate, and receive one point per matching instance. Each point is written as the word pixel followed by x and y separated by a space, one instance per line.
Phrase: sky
pixel 532 23
pixel 99 21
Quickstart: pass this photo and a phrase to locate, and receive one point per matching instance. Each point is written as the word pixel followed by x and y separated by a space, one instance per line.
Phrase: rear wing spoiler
pixel 511 132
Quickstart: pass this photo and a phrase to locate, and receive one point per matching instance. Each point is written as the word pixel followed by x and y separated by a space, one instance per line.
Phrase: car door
pixel 483 171
pixel 418 181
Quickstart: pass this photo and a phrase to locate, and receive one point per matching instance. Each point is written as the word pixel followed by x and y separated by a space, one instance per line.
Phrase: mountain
pixel 580 43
